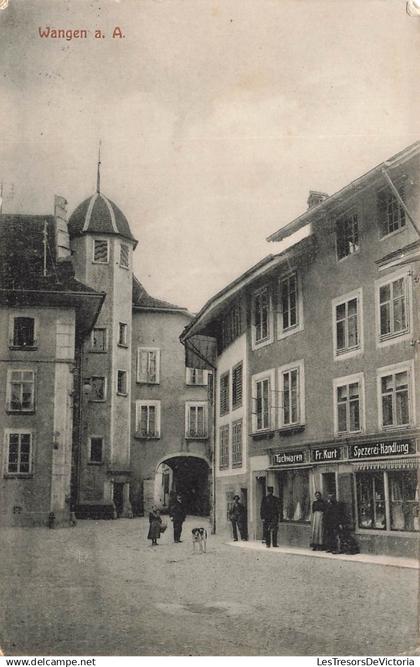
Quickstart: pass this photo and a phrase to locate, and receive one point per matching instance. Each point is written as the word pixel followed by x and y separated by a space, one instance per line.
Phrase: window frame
pixel 256 379
pixel 188 433
pixel 299 326
pixel 349 212
pixel 234 426
pixel 402 190
pixel 124 341
pixel 94 241
pixel 155 350
pixel 9 409
pixel 189 375
pixel 256 344
pixel 91 345
pixel 224 405
pixel 148 403
pixel 90 461
pixel 383 340
pixel 239 402
pixel 343 381
pixel 299 366
pixel 358 349
pixel 99 400
pixel 118 392
pixel 22 315
pixel 124 265
pixel 65 332
pixel 224 447
pixel 394 369
pixel 232 323
pixel 18 431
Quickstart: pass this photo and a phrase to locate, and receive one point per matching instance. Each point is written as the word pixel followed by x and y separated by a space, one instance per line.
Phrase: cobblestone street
pixel 100 589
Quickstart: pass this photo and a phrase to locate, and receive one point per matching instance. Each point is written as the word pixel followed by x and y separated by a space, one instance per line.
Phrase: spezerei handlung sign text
pixel 383 448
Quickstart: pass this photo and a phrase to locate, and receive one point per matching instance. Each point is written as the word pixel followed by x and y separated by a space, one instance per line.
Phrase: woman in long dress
pixel 154 527
pixel 317 523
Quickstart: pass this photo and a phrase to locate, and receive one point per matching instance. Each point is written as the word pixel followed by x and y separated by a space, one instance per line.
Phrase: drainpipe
pixel 213 448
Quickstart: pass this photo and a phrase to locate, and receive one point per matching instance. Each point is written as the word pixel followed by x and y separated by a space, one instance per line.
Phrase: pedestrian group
pixel 177 514
pixel 329 527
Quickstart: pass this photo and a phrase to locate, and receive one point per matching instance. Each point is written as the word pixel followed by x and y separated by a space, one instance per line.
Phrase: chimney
pixel 62 238
pixel 316 198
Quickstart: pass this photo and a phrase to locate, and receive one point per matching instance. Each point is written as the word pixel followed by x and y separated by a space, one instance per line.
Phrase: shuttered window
pixel 224 394
pixel 124 256
pixel 224 447
pixel 237 386
pixel 237 444
pixel 100 251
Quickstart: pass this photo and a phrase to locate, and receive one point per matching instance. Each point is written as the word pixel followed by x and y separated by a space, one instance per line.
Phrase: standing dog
pixel 199 539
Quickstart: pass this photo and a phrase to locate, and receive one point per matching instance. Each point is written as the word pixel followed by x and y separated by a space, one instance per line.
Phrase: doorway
pixel 244 501
pixel 329 484
pixel 118 497
pixel 259 495
pixel 188 476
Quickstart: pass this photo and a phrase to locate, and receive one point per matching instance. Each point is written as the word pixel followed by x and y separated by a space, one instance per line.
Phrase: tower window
pixel 98 340
pixel 98 388
pixel 96 449
pixel 122 334
pixel 122 383
pixel 124 256
pixel 101 251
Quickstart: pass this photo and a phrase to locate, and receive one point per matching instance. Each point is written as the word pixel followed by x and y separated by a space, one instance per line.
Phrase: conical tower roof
pixel 99 215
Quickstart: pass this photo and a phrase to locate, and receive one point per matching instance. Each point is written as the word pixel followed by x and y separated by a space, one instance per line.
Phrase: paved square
pixel 100 589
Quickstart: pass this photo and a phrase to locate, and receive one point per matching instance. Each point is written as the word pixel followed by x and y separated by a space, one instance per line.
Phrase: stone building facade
pixel 332 331
pixel 45 314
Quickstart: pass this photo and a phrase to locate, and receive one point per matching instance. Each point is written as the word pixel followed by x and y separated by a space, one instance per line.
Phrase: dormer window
pixel 391 214
pixel 23 334
pixel 101 251
pixel 347 234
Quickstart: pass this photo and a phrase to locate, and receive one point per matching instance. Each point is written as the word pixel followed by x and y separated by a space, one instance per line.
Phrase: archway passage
pixel 189 477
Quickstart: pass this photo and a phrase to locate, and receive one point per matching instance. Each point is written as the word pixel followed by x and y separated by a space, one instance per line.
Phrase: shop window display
pixel 404 500
pixel 371 500
pixel 294 495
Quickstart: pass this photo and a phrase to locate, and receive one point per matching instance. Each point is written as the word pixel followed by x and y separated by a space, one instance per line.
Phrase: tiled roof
pixel 98 214
pixel 142 299
pixel 22 256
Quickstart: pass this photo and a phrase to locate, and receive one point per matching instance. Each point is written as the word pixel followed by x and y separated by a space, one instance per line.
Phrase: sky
pixel 216 118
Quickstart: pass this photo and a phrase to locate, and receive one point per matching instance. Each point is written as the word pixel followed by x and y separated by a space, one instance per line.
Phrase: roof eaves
pixel 162 309
pixel 261 268
pixel 345 192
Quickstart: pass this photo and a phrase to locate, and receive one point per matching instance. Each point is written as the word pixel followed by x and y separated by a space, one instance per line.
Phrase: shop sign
pixel 286 458
pixel 322 454
pixel 383 448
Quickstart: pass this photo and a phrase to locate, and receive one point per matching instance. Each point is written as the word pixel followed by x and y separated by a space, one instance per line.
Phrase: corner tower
pixel 102 246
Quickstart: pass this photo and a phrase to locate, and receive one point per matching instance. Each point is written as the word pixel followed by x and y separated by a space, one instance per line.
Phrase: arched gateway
pixel 187 474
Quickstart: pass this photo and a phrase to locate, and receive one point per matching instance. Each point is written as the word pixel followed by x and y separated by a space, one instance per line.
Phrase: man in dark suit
pixel 270 512
pixel 177 513
pixel 333 523
pixel 237 516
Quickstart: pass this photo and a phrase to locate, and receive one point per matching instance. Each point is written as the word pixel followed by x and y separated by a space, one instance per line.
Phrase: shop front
pixel 376 482
pixel 386 489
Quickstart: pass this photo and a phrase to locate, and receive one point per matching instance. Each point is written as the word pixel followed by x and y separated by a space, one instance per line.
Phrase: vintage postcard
pixel 209 329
